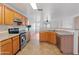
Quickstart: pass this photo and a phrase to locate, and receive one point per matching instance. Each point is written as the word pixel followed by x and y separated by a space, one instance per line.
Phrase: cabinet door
pixel 9 16
pixel 6 48
pixel 49 37
pixel 24 20
pixel 43 36
pixel 53 37
pixel 17 15
pixel 1 14
pixel 15 44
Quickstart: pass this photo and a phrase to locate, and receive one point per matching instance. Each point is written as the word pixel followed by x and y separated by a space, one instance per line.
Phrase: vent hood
pixel 17 20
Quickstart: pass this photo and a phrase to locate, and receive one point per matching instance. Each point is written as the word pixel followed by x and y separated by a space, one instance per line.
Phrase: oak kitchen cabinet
pixel 43 36
pixel 24 20
pixel 16 45
pixel 9 16
pixel 17 15
pixel 52 37
pixel 1 14
pixel 21 17
pixel 48 37
pixel 10 46
pixel 6 47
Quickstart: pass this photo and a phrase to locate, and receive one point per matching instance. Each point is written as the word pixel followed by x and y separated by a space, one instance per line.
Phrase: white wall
pixel 67 22
pixel 56 23
pixel 64 22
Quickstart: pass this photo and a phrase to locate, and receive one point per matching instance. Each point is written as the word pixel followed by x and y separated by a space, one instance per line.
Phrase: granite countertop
pixel 60 32
pixel 64 32
pixel 5 35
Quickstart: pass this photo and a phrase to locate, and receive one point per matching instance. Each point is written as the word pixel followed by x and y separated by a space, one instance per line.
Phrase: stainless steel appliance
pixel 22 36
pixel 13 30
pixel 65 44
pixel 17 21
pixel 23 40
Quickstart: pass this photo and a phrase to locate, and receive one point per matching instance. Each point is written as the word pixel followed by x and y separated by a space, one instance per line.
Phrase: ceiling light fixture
pixel 34 6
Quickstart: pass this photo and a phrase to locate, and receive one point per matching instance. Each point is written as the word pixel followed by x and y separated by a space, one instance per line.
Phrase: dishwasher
pixel 65 44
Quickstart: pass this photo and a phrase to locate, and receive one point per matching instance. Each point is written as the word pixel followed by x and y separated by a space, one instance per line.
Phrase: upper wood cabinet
pixel 9 16
pixel 21 17
pixel 18 15
pixel 1 14
pixel 24 20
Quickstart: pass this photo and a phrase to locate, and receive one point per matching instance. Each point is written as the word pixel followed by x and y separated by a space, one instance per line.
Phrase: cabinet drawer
pixel 16 37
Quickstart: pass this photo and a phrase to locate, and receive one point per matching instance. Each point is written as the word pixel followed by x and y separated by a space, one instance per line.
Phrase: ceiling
pixel 60 9
pixel 54 9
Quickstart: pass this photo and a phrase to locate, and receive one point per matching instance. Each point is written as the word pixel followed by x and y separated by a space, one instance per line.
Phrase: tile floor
pixel 43 48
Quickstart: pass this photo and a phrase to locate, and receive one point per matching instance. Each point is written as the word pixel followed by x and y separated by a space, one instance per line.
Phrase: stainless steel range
pixel 23 40
pixel 22 36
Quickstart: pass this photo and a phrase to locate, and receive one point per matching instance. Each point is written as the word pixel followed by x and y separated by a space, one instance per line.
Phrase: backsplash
pixel 5 27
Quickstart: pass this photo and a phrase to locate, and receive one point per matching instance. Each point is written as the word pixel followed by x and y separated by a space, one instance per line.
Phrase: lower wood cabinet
pixel 9 46
pixel 6 47
pixel 15 44
pixel 52 37
pixel 43 36
pixel 48 37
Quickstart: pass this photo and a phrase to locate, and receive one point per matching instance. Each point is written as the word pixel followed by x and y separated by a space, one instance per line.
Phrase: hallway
pixel 42 49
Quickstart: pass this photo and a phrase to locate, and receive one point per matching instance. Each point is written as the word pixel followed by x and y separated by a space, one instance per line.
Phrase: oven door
pixel 23 40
